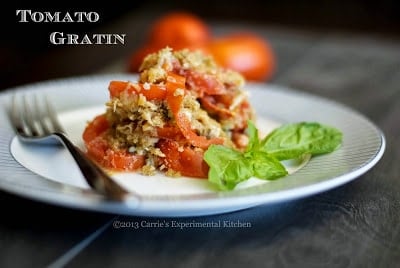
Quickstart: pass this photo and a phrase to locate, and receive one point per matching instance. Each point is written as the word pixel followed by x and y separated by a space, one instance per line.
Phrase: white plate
pixel 49 174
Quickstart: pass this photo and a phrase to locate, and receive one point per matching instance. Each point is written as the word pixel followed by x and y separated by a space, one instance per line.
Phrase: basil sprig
pixel 261 158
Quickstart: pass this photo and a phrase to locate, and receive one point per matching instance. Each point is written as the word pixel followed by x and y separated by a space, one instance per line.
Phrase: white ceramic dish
pixel 49 174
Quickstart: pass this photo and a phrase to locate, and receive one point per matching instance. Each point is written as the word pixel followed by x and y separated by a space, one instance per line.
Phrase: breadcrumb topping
pixel 135 120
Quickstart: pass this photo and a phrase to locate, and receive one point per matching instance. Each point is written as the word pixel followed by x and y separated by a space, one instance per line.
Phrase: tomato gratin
pixel 181 104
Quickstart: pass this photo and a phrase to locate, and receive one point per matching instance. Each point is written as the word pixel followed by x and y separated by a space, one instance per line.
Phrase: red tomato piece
pixel 95 128
pixel 185 160
pixel 204 83
pixel 99 149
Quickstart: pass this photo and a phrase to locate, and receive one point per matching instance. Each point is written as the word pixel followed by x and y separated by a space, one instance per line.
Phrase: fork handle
pixel 94 175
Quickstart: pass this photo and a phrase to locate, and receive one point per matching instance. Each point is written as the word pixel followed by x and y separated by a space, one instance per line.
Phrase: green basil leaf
pixel 228 167
pixel 261 159
pixel 254 141
pixel 291 141
pixel 267 167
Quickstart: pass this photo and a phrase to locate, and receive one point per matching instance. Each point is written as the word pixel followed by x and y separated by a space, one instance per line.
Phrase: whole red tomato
pixel 246 53
pixel 176 30
pixel 179 30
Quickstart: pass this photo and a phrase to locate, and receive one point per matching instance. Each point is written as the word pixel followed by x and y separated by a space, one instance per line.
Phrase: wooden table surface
pixel 355 225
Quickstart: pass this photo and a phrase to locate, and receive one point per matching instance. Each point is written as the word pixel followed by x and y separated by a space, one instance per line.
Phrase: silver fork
pixel 36 122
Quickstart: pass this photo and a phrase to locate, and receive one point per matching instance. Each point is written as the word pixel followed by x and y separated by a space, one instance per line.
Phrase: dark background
pixel 26 55
pixel 347 52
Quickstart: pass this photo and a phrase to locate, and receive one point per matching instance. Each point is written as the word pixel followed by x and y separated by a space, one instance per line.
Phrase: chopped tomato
pixel 174 100
pixel 150 91
pixel 204 83
pixel 123 160
pixel 99 149
pixel 174 97
pixel 185 160
pixel 96 148
pixel 97 126
pixel 198 141
pixel 210 105
pixel 169 132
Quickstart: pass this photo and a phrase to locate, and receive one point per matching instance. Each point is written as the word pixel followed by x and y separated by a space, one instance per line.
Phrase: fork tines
pixel 32 116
